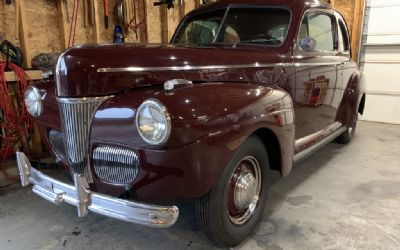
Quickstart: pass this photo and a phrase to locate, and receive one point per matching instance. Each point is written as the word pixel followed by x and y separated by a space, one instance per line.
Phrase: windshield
pixel 246 25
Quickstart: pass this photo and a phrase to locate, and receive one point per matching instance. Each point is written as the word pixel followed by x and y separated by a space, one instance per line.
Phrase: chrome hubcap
pixel 244 190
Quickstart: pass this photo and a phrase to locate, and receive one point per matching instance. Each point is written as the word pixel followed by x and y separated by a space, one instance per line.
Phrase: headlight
pixel 153 122
pixel 33 101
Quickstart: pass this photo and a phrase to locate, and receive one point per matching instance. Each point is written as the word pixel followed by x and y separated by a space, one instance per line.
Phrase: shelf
pixel 33 75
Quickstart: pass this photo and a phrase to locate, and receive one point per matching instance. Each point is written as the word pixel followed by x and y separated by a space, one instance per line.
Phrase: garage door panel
pixel 382 77
pixel 382 53
pixel 380 58
pixel 382 16
pixel 382 38
pixel 382 108
pixel 384 2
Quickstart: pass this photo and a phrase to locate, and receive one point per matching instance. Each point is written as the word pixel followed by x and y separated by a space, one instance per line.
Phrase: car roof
pixel 282 2
pixel 295 5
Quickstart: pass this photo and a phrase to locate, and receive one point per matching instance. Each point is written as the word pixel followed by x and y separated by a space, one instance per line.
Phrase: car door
pixel 316 60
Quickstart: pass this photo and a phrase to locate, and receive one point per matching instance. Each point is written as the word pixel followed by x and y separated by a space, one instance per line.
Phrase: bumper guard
pixel 85 200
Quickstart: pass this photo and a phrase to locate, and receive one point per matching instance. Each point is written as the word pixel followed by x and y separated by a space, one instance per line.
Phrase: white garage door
pixel 380 56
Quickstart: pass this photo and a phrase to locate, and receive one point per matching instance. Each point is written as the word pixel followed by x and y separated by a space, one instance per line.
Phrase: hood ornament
pixel 170 84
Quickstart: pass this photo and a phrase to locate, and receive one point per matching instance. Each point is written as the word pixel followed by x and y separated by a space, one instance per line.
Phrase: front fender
pixel 209 122
pixel 196 111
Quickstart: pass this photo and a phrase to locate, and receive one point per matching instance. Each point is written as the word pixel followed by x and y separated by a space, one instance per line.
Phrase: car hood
pixel 97 70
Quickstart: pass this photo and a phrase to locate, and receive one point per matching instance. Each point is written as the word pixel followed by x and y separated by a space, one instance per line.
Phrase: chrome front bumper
pixel 85 200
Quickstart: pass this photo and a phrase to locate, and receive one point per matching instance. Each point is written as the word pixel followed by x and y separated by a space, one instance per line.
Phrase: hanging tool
pixel 169 3
pixel 106 14
pixel 127 12
pixel 65 3
pixel 71 39
pixel 16 124
pixel 118 35
pixel 85 13
pixel 11 52
pixel 91 12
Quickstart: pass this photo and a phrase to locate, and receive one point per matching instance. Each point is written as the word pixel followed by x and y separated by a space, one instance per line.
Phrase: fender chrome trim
pixel 85 200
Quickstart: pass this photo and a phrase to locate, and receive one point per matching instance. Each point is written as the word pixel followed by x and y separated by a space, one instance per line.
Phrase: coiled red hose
pixel 15 121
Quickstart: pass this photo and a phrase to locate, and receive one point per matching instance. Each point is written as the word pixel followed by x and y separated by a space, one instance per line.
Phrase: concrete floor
pixel 343 197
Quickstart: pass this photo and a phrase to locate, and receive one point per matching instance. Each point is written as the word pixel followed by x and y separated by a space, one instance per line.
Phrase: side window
pixel 319 28
pixel 202 29
pixel 344 35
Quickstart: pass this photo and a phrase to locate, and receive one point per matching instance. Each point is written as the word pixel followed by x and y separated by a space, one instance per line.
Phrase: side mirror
pixel 308 44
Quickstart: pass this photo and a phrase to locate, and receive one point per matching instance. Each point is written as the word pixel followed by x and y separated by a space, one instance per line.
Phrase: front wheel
pixel 229 213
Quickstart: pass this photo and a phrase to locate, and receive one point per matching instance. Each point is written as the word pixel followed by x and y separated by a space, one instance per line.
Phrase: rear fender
pixel 351 98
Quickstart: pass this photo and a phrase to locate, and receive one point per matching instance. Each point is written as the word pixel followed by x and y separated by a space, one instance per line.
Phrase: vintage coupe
pixel 245 86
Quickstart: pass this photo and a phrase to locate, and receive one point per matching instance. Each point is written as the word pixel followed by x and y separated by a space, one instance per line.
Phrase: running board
pixel 315 147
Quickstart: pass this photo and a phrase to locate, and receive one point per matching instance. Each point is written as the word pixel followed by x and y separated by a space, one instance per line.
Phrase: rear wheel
pixel 348 134
pixel 229 213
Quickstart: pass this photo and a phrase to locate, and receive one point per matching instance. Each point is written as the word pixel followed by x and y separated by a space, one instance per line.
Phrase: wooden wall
pixel 44 26
pixel 47 29
pixel 352 10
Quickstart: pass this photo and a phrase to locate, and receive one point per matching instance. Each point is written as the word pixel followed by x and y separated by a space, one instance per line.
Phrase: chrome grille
pixel 76 118
pixel 115 165
pixel 57 143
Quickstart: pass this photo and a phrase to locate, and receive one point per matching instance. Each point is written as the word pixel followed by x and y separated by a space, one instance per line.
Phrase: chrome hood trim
pixel 189 67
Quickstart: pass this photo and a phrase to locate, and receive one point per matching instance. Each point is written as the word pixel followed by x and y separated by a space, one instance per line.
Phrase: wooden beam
pixel 62 28
pixel 182 10
pixel 164 23
pixel 96 25
pixel 17 16
pixel 173 20
pixel 145 32
pixel 23 36
pixel 356 28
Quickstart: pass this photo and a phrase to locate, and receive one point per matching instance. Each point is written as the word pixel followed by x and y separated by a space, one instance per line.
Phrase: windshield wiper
pixel 194 44
pixel 262 40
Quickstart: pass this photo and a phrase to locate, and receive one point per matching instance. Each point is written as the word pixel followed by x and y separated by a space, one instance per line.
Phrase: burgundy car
pixel 244 87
